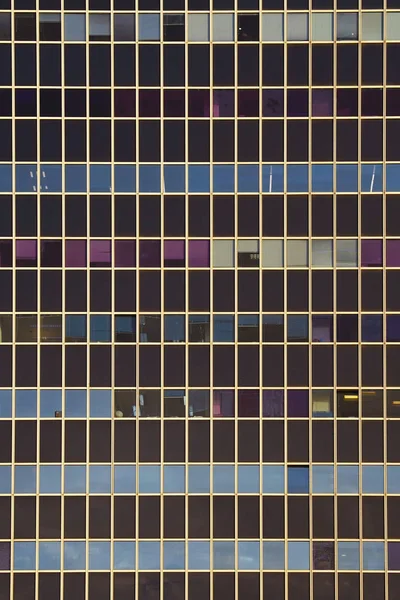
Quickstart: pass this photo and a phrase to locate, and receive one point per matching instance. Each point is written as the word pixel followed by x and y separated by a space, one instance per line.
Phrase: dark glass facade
pixel 199 299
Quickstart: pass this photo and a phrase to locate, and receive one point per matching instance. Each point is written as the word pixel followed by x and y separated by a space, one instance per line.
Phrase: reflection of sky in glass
pixel 348 556
pixel 273 556
pixel 393 479
pixel 124 479
pixel 24 556
pixel 298 480
pixel 124 556
pixel 199 479
pixel 25 403
pixel 224 555
pixel 323 479
pixel 174 479
pixel 50 479
pixel 25 479
pixel 75 403
pixel 5 403
pixel 248 479
pixel 149 479
pixel 74 479
pixel 99 556
pixel 100 479
pixel 174 555
pixel 49 556
pixel 373 479
pixel 74 556
pixel 5 479
pixel 373 556
pixel 149 556
pixel 50 402
pixel 224 479
pixel 248 556
pixel 298 556
pixel 198 556
pixel 347 479
pixel 273 479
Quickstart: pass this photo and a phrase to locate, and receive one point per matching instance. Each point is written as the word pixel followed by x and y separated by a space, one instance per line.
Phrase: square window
pixel 124 27
pixel 322 27
pixel 272 253
pixel 347 26
pixel 297 27
pixel 74 28
pixel 298 480
pixel 198 27
pixel 223 30
pixel 99 28
pixel 297 253
pixel 272 27
pixel 372 26
pixel 393 26
pixel 149 27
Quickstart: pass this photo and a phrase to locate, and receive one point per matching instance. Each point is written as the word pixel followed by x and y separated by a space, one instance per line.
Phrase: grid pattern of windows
pixel 199 299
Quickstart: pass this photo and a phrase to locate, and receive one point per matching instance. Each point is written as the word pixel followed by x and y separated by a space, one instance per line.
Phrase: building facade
pixel 199 299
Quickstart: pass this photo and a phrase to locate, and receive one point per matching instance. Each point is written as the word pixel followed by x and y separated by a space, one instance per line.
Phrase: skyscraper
pixel 199 299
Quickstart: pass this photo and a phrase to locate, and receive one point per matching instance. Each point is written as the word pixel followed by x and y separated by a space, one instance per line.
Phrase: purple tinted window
pixel 174 103
pixel 371 102
pixel 125 103
pixel 150 253
pixel 297 403
pixel 347 103
pixel 199 253
pixel 323 556
pixel 393 102
pixel 174 253
pixel 224 403
pixel 371 253
pixel 6 254
pixel 393 253
pixel 394 556
pixel 322 328
pixel 272 403
pixel 125 253
pixel 322 103
pixel 26 253
pixel 100 253
pixel 199 103
pixel 248 103
pixel 272 103
pixel 75 253
pixel 297 103
pixel 149 103
pixel 5 556
pixel 224 103
pixel 51 253
pixel 249 403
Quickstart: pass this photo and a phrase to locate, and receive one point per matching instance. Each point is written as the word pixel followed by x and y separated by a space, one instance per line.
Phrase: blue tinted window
pixel 273 479
pixel 298 556
pixel 248 479
pixel 124 479
pixel 224 479
pixel 124 556
pixel 75 403
pixel 347 479
pixel 224 328
pixel 174 479
pixel 298 480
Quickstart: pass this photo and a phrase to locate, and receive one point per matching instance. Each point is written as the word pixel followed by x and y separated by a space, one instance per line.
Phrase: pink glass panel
pixel 199 253
pixel 125 103
pixel 26 253
pixel 224 103
pixel 249 403
pixel 75 253
pixel 371 253
pixel 100 253
pixel 6 254
pixel 322 103
pixel 224 403
pixel 272 403
pixel 199 103
pixel 125 253
pixel 150 253
pixel 174 253
pixel 393 253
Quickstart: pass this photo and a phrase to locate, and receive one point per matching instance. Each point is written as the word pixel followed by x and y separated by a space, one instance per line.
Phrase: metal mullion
pixel 113 335
pixel 88 273
pixel 137 46
pixel 359 346
pixel 285 304
pixel 236 47
pixel 14 285
pixel 162 274
pixel 260 346
pixel 38 308
pixel 384 299
pixel 310 346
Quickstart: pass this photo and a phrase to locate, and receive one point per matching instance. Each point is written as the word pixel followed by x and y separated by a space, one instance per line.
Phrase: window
pixel 199 328
pixel 297 253
pixel 99 28
pixel 272 253
pixel 149 27
pixel 198 27
pixel 223 253
pixel 346 253
pixel 174 403
pixel 272 27
pixel 174 28
pixel 322 403
pixel 174 328
pixel 5 26
pixel 393 26
pixel 347 403
pixel 248 328
pixel 50 26
pixel 223 30
pixel 322 255
pixel 248 253
pixel 199 403
pixel 298 480
pixel 322 27
pixel 297 27
pixel 124 27
pixel 372 26
pixel 224 328
pixel 25 26
pixel 347 26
